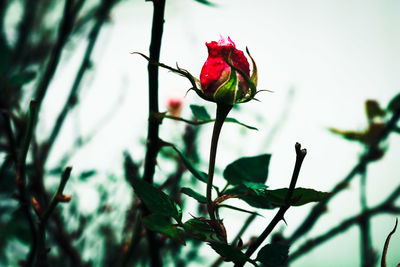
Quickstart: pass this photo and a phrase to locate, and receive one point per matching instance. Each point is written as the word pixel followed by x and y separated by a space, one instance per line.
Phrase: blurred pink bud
pixel 174 105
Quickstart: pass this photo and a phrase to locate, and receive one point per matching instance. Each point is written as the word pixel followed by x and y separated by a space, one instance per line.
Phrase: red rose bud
pixel 225 76
pixel 36 207
pixel 63 198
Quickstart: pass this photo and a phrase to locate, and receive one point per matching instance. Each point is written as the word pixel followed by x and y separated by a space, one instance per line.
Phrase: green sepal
pixel 182 72
pixel 251 81
pixel 254 75
pixel 226 92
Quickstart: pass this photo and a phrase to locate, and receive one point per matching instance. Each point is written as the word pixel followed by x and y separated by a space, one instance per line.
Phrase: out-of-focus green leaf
pixel 248 169
pixel 240 123
pixel 229 253
pixel 348 134
pixel 200 229
pixel 301 196
pixel 87 174
pixel 273 255
pixel 156 200
pixel 16 228
pixel 200 112
pixel 22 78
pixel 205 2
pixel 5 55
pixel 394 103
pixel 159 223
pixel 191 193
pixel 131 169
pixel 373 109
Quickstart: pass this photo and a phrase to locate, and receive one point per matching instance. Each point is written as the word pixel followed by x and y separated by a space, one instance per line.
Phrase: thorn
pixel 283 219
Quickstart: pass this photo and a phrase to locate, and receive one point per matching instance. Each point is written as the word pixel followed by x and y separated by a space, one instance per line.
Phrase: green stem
pixel 222 113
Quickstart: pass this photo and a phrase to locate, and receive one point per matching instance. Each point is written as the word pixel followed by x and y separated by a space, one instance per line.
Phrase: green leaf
pixel 229 253
pixel 394 103
pixel 160 224
pixel 248 169
pixel 240 123
pixel 191 193
pixel 155 199
pixel 200 175
pixel 270 199
pixel 202 230
pixel 301 196
pixel 251 197
pixel 273 255
pixel 22 78
pixel 200 112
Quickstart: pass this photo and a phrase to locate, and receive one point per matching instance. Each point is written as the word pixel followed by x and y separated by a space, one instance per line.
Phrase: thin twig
pixel 367 253
pixel 368 157
pixel 65 29
pixel 20 179
pixel 300 155
pixel 25 29
pixel 385 207
pixel 103 12
pixel 58 197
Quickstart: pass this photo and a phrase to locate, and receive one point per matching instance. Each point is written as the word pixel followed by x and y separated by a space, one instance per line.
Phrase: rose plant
pixel 225 79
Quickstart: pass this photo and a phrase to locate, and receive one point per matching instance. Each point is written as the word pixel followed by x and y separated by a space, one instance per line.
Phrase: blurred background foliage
pixel 73 58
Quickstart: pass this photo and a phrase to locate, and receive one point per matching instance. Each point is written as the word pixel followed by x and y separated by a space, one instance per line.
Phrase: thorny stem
pixel 153 141
pixel 222 113
pixel 300 155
